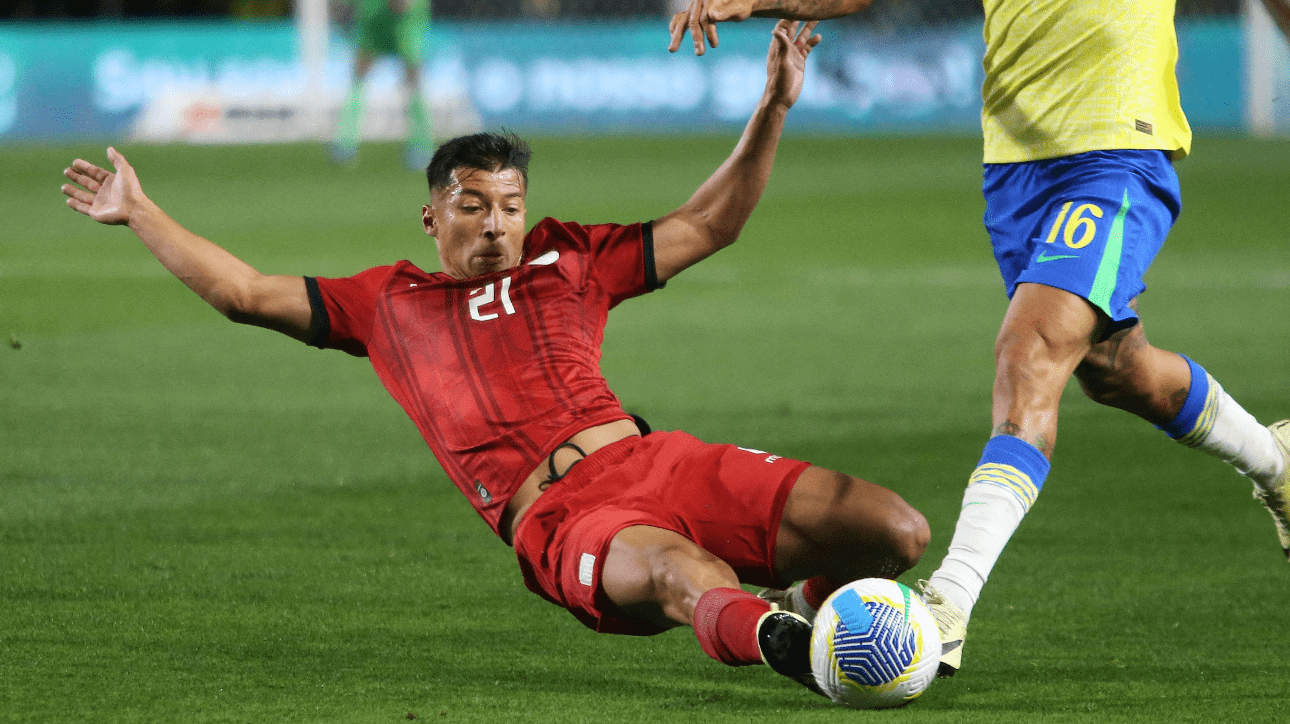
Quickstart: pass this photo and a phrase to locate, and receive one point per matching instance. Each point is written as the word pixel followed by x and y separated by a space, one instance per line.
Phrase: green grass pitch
pixel 201 522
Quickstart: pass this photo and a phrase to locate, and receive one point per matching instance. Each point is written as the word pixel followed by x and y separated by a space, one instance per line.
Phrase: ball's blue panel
pixel 880 650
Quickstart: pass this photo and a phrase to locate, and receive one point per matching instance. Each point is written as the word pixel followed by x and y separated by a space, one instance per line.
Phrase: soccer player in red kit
pixel 496 360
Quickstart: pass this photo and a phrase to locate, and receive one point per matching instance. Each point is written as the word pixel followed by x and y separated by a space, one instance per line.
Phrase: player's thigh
pixel 843 526
pixel 1046 324
pixel 658 575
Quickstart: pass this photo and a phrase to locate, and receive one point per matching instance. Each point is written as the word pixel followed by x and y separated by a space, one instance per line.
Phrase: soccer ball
pixel 875 645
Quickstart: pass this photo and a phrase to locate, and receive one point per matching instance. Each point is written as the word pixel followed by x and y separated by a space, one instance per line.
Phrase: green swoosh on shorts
pixel 1044 257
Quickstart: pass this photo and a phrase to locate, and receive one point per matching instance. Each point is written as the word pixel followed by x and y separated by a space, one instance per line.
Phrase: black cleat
pixel 784 640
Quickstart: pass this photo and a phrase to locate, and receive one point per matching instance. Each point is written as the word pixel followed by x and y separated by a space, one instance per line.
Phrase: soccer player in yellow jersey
pixel 1082 124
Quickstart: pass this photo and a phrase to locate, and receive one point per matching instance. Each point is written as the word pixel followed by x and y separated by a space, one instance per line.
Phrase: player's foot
pixel 1276 495
pixel 784 639
pixel 789 599
pixel 342 154
pixel 952 623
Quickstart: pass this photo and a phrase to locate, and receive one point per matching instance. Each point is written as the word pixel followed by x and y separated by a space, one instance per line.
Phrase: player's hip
pixel 728 500
pixel 1090 224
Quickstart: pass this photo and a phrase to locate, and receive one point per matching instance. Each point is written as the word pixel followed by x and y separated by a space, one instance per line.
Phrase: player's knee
pixel 1100 383
pixel 1019 358
pixel 1112 380
pixel 898 537
pixel 909 535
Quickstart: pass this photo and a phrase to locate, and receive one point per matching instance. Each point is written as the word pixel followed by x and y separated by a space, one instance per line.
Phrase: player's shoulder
pixel 551 227
pixel 378 277
pixel 550 232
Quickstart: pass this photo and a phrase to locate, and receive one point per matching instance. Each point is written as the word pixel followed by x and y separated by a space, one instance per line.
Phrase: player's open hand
pixel 701 19
pixel 790 44
pixel 106 197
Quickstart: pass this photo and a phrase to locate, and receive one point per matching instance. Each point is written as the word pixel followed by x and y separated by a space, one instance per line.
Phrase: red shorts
pixel 728 500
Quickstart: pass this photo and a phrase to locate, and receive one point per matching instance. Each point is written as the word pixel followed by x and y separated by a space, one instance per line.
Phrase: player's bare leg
pixel 665 578
pixel 1180 397
pixel 834 528
pixel 838 529
pixel 846 528
pixel 1127 373
pixel 1045 334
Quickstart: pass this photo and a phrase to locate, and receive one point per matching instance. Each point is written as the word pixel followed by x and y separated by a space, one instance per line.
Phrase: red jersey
pixel 498 370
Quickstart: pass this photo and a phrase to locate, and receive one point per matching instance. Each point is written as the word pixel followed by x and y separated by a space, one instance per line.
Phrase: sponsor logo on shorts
pixel 483 492
pixel 1043 257
pixel 586 569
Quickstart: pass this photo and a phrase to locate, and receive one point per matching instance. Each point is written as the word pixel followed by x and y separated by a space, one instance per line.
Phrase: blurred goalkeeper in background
pixel 379 28
pixel 496 360
pixel 1082 124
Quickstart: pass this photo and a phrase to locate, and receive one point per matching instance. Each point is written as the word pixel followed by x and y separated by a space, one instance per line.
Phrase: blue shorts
pixel 1090 224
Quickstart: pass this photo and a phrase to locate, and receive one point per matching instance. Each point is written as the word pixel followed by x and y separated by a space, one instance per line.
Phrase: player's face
pixel 477 221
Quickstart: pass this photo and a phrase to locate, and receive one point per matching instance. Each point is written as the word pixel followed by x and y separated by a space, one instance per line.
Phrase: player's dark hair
pixel 485 151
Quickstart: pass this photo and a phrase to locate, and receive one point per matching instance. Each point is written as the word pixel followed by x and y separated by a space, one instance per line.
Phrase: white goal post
pixel 1267 67
pixel 312 17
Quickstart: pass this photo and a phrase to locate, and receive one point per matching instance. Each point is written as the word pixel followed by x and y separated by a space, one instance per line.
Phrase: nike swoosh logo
pixel 948 646
pixel 1044 257
pixel 546 259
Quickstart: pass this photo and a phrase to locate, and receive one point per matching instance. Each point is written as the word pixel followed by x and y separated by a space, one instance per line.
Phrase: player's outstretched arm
pixel 701 17
pixel 715 214
pixel 227 283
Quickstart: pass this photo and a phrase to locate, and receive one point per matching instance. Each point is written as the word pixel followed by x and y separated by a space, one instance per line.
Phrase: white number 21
pixel 484 295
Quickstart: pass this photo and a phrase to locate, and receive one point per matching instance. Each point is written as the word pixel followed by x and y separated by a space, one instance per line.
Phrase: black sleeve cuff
pixel 651 272
pixel 319 322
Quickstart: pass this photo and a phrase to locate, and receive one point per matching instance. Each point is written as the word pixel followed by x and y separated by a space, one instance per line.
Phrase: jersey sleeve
pixel 621 256
pixel 344 309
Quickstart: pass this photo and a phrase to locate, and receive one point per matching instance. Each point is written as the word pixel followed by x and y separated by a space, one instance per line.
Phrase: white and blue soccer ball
pixel 875 645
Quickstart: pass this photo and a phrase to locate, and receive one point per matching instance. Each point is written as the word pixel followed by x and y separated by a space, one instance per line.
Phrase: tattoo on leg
pixel 1113 348
pixel 1041 443
pixel 1007 427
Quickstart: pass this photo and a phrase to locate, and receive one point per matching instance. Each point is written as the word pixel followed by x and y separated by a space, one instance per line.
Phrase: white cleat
pixel 952 623
pixel 1276 497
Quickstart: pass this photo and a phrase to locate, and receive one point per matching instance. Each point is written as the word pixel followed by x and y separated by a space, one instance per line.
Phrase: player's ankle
pixel 725 622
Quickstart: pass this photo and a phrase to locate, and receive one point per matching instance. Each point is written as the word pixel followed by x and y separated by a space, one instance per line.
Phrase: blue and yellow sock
pixel 1212 422
pixel 1014 465
pixel 1195 420
pixel 1004 485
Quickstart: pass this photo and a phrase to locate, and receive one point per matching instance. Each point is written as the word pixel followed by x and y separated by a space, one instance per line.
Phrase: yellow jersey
pixel 1067 76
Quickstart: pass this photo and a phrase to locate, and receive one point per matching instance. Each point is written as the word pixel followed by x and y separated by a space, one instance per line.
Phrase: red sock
pixel 725 622
pixel 815 590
